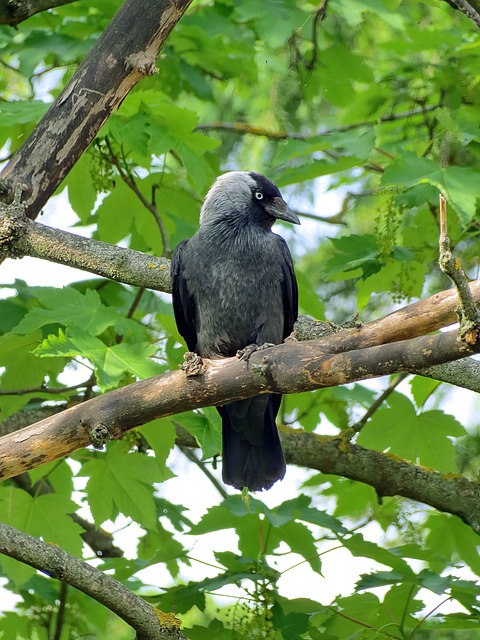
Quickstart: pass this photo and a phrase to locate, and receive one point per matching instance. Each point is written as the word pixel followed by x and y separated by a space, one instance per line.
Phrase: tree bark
pixel 123 55
pixel 150 623
pixel 289 368
pixel 13 12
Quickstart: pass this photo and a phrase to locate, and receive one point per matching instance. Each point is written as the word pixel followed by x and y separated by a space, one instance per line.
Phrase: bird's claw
pixel 246 352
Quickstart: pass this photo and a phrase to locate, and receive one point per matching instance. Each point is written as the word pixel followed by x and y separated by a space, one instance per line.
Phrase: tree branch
pixel 289 368
pixel 13 12
pixel 20 236
pixel 149 623
pixel 123 55
pixel 243 128
pixel 388 474
pixel 470 9
pixel 462 373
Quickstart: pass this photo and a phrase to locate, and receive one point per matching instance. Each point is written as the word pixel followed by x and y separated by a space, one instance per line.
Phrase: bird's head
pixel 241 197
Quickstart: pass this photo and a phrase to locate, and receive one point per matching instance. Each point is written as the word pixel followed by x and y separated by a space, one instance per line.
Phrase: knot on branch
pixel 99 435
pixel 141 61
pixel 306 328
pixel 13 222
pixel 192 364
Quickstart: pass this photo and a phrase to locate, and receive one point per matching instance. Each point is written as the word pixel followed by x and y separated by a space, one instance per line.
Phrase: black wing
pixel 183 302
pixel 290 290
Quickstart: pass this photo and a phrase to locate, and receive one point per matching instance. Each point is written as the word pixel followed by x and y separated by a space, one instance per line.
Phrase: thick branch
pixel 13 12
pixel 20 236
pixel 417 319
pixel 289 368
pixel 149 623
pixel 123 55
pixel 462 373
pixel 388 474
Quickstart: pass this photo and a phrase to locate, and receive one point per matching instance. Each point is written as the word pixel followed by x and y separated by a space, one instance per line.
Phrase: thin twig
pixel 379 401
pixel 318 17
pixel 129 180
pixel 193 458
pixel 43 389
pixel 468 314
pixel 135 302
pixel 243 127
pixel 61 611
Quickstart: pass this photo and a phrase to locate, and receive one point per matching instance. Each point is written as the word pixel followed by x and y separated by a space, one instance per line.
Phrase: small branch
pixel 13 13
pixel 468 8
pixel 44 389
pixel 468 314
pixel 378 402
pixel 149 623
pixel 193 458
pixel 129 180
pixel 335 219
pixel 61 611
pixel 244 128
pixel 319 16
pixel 20 236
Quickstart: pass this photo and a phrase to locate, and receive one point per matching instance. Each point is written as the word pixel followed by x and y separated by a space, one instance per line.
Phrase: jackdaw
pixel 234 286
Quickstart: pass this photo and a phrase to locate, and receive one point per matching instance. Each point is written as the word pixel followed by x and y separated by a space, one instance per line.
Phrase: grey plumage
pixel 234 285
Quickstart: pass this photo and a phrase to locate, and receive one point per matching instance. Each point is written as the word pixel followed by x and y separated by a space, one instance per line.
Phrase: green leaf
pixel 353 253
pixel 121 482
pixel 45 516
pixel 116 213
pixel 409 170
pixel 160 435
pixel 422 389
pixel 205 426
pixel 460 185
pixel 21 112
pixel 358 546
pixel 68 307
pixel 315 169
pixel 110 363
pixel 82 193
pixel 424 437
pixel 291 625
pixel 453 540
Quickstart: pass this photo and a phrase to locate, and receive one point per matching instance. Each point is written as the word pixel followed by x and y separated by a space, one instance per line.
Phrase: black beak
pixel 278 208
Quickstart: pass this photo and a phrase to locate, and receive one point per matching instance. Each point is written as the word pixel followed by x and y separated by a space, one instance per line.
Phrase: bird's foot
pixel 192 364
pixel 246 352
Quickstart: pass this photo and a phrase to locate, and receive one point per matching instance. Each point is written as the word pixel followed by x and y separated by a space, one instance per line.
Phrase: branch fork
pixel 467 312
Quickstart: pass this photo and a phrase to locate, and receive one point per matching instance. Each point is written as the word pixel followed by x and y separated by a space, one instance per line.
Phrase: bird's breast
pixel 237 288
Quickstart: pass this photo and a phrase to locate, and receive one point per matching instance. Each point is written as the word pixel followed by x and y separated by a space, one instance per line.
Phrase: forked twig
pixel 468 314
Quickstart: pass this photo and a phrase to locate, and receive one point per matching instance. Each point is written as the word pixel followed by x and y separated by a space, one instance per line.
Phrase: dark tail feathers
pixel 252 453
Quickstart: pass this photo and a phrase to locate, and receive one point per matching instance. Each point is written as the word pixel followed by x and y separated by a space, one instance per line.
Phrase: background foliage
pixel 375 102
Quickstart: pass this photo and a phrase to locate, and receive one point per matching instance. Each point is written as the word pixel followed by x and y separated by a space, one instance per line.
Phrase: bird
pixel 234 290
